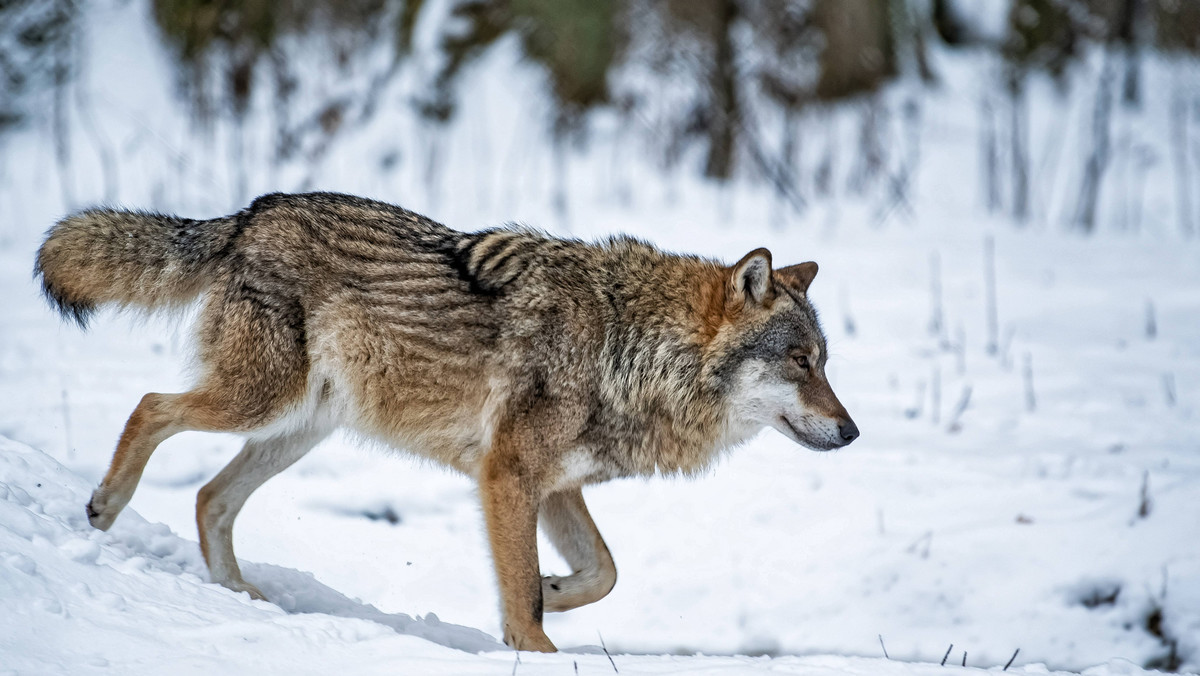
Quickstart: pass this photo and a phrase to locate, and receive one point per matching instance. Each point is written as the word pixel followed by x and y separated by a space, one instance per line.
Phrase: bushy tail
pixel 131 258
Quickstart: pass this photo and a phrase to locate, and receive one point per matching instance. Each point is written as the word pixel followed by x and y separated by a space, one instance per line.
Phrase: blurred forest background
pixel 1003 196
pixel 725 89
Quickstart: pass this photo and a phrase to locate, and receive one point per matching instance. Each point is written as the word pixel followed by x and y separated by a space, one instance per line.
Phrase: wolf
pixel 535 365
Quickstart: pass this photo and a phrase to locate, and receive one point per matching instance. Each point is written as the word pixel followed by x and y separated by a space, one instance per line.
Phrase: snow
pixel 1005 527
pixel 133 601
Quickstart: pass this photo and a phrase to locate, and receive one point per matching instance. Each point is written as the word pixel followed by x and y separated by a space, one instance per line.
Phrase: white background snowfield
pixel 1030 483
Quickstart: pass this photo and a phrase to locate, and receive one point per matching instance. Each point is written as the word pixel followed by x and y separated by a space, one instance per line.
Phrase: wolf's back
pixel 130 258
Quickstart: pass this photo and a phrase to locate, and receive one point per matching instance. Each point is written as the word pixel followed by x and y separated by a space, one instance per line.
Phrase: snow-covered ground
pixel 1066 525
pixel 133 601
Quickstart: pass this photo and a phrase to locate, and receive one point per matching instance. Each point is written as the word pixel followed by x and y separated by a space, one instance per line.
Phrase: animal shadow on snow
pixel 299 592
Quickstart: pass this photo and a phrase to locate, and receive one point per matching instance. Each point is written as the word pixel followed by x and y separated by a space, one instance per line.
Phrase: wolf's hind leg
pixel 256 367
pixel 219 502
pixel 156 418
pixel 566 521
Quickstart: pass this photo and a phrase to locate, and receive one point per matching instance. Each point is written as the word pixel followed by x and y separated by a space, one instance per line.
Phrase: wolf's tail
pixel 131 258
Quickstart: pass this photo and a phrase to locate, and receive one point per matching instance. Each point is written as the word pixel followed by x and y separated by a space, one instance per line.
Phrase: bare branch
pixel 1010 660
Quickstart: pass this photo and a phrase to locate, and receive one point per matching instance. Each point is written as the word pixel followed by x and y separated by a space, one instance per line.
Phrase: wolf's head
pixel 773 355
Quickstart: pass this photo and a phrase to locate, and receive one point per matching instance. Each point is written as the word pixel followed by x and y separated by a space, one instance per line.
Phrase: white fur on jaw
pixel 762 397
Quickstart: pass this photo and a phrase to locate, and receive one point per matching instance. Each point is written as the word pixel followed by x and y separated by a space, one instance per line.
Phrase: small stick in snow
pixel 576 668
pixel 964 658
pixel 605 649
pixel 947 655
pixel 915 547
pixel 1010 332
pixel 936 323
pixel 1010 660
pixel 935 396
pixel 848 317
pixel 989 281
pixel 1146 503
pixel 963 402
pixel 960 349
pixel 881 645
pixel 66 412
pixel 915 411
pixel 1030 398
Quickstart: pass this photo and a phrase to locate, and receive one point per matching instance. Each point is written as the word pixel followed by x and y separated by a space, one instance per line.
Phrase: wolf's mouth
pixel 803 440
pixel 790 426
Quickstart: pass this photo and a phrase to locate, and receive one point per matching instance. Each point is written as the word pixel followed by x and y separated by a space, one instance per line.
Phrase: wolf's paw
pixel 533 640
pixel 103 508
pixel 243 586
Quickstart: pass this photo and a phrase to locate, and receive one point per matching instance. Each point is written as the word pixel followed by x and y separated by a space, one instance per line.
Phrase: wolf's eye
pixel 802 361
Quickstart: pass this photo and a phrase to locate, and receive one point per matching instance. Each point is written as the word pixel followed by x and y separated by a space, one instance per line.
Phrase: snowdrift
pixel 134 600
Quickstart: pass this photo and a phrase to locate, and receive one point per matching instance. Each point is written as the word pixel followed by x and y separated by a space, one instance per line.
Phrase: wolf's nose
pixel 848 430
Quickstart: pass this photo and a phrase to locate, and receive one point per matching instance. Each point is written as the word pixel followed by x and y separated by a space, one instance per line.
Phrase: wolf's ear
pixel 751 278
pixel 798 276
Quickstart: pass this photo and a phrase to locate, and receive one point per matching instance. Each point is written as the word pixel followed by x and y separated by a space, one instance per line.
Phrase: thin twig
pixel 1146 503
pixel 936 318
pixel 1010 660
pixel 915 547
pixel 947 655
pixel 960 350
pixel 964 662
pixel 605 649
pixel 935 396
pixel 1030 396
pixel 1006 340
pixel 881 645
pixel 66 413
pixel 963 402
pixel 989 282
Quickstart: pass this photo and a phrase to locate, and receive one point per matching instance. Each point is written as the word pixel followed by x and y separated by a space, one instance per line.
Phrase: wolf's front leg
pixel 510 495
pixel 566 521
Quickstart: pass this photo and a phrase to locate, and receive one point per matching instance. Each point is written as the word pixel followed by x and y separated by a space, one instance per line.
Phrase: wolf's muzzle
pixel 848 431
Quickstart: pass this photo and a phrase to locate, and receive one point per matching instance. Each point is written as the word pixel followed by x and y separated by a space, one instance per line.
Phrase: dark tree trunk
pixel 948 24
pixel 1018 131
pixel 723 109
pixel 1126 36
pixel 860 53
